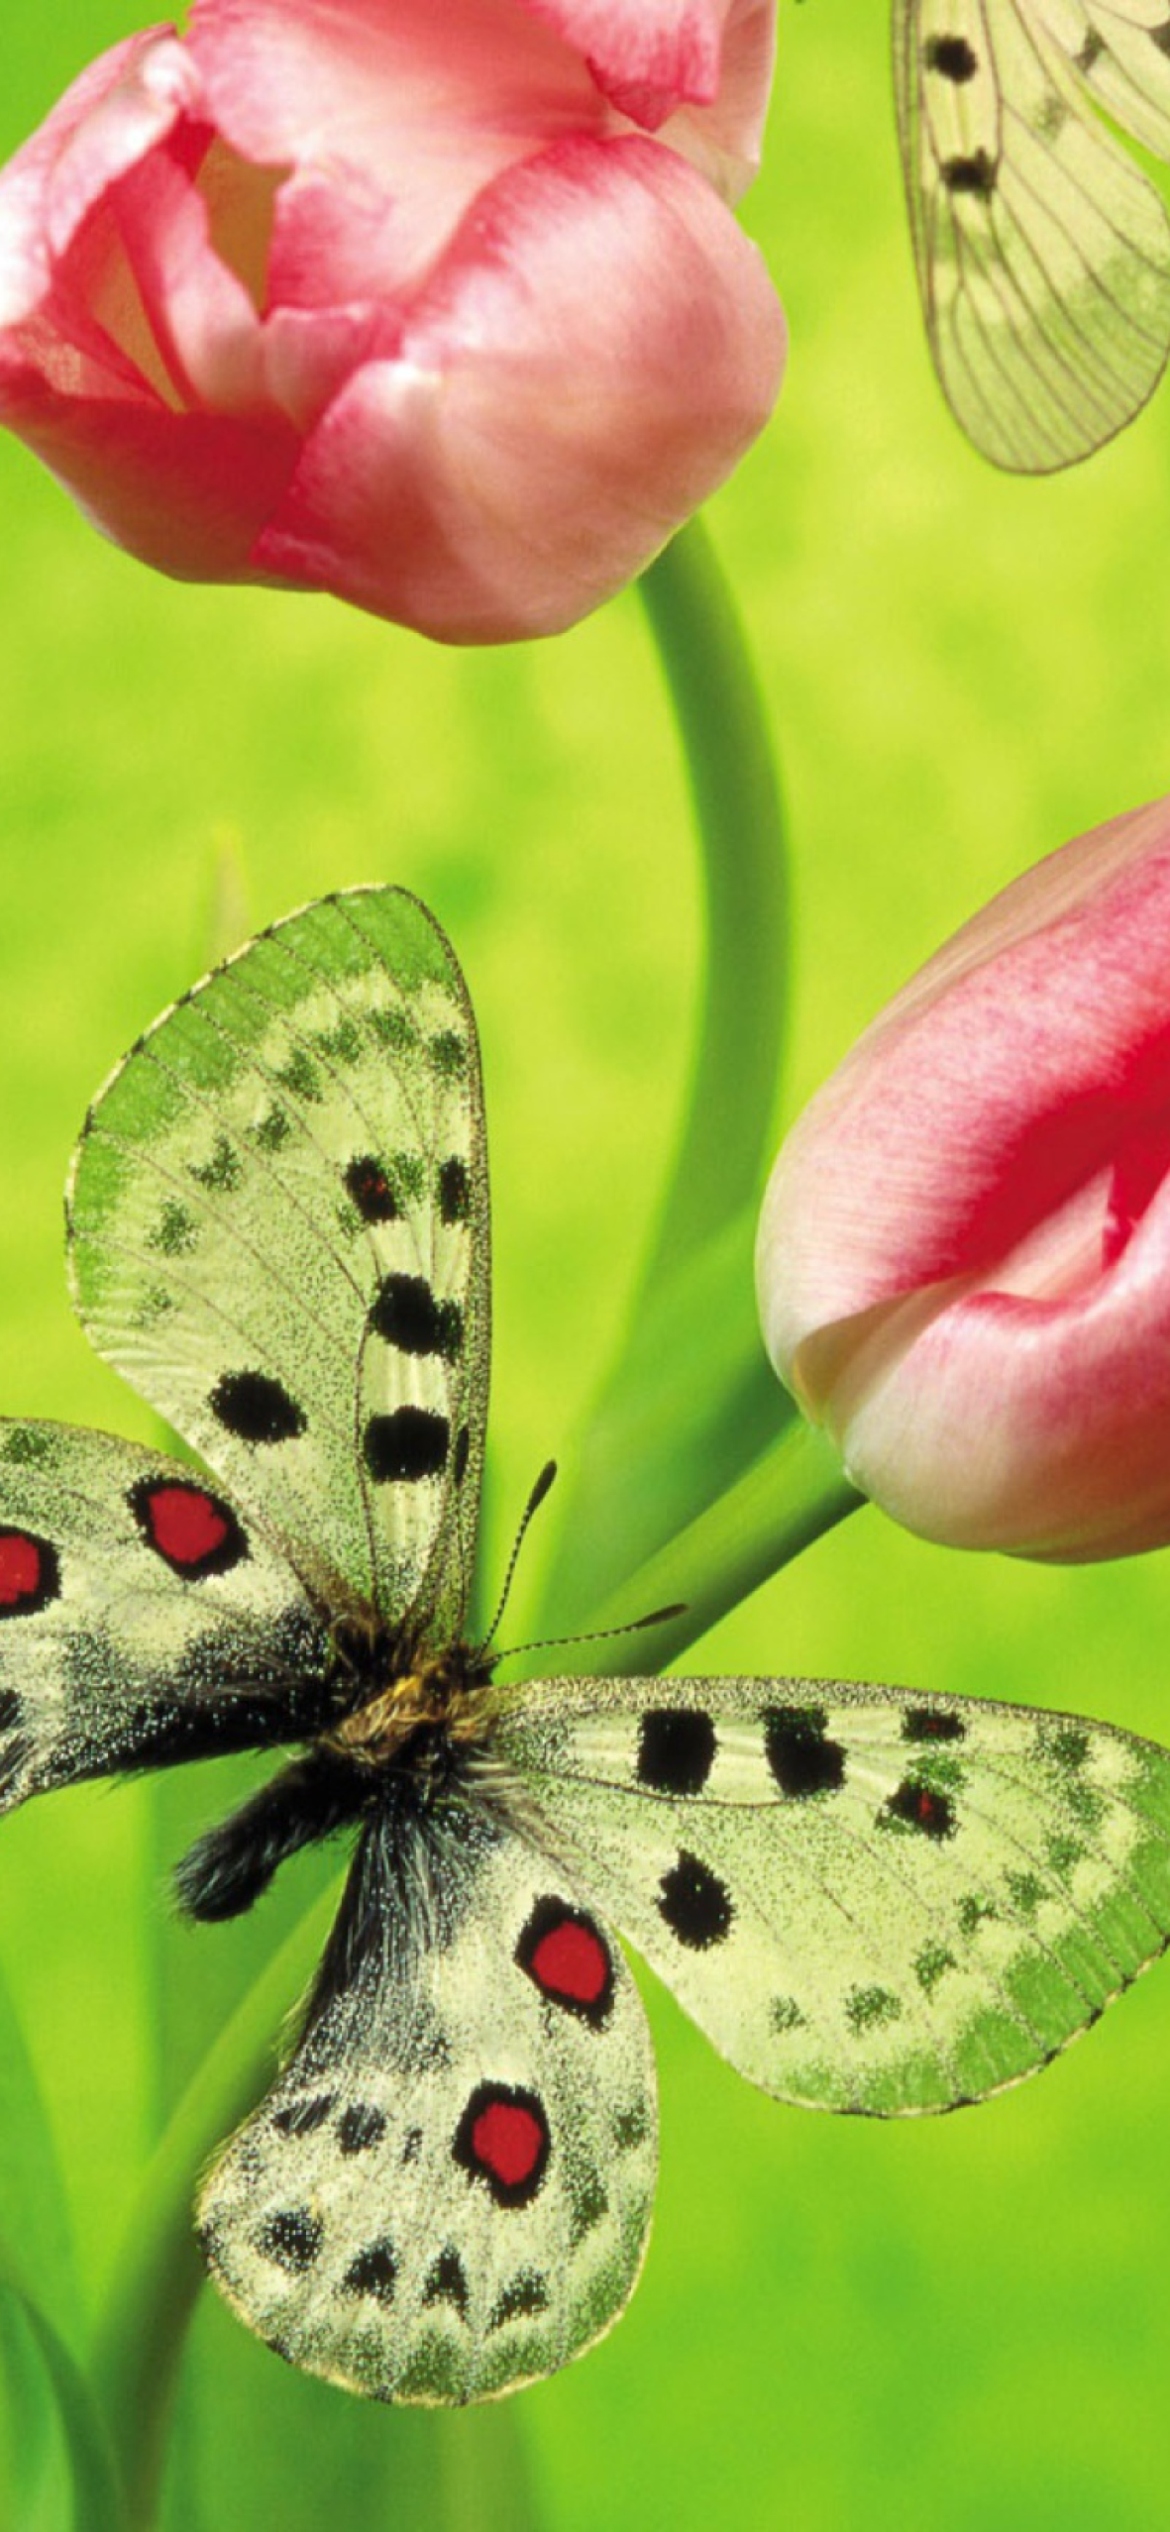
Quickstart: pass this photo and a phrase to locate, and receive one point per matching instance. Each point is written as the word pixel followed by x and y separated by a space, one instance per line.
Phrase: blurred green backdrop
pixel 964 2322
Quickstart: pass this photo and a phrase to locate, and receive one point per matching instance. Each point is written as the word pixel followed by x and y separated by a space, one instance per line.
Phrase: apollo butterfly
pixel 871 1900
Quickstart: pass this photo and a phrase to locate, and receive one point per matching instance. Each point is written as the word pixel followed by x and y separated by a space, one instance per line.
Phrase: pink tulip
pixel 437 304
pixel 964 1257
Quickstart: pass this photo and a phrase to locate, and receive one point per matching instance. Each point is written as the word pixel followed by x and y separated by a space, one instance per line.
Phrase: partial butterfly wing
pixel 869 1900
pixel 279 1225
pixel 140 1621
pixel 449 2190
pixel 1043 254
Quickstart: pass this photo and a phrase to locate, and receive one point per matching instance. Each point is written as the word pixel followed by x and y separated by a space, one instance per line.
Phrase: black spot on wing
pixel 410 1444
pixel 976 174
pixel 871 2008
pixel 695 1904
pixel 932 1723
pixel 406 1314
pixel 175 1232
pixel 448 1053
pixel 802 1760
pixel 291 2238
pixel 272 1129
pixel 370 1188
pixel 373 2272
pixel 454 1191
pixel 256 1408
pixel 952 57
pixel 447 2282
pixel 359 2127
pixel 918 1807
pixel 222 1173
pixel 631 2127
pixel 522 2297
pixel 676 1749
pixel 588 2203
pixel 299 2118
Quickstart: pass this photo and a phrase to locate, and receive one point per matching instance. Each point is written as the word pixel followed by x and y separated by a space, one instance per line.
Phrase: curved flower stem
pixel 791 1495
pixel 159 2273
pixel 656 1452
pixel 725 1140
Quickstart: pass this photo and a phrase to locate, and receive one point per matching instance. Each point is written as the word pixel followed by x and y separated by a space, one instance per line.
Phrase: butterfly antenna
pixel 535 1500
pixel 596 1634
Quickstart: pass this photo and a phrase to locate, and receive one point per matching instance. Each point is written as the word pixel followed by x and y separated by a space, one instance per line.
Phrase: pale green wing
pixel 141 1622
pixel 1043 254
pixel 448 2191
pixel 279 1225
pixel 869 1900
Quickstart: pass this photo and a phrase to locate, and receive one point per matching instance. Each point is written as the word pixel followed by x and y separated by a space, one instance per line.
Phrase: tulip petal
pixel 201 316
pixel 100 126
pixel 428 103
pixel 1038 1428
pixel 697 72
pixel 977 1101
pixel 593 355
pixel 185 492
pixel 964 1257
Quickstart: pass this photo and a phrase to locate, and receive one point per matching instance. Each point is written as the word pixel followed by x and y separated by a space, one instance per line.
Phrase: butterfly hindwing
pixel 449 2190
pixel 141 1619
pixel 868 1900
pixel 1043 253
pixel 278 1220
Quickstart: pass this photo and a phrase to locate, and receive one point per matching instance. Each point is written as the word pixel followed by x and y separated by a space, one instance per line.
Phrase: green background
pixel 963 2322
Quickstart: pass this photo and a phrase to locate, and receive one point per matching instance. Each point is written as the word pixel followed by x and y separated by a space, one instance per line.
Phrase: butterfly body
pixel 870 1900
pixel 394 1740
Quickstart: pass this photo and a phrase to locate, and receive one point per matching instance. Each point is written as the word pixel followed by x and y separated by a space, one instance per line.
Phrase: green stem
pixel 656 1452
pixel 791 1496
pixel 725 1141
pixel 159 2273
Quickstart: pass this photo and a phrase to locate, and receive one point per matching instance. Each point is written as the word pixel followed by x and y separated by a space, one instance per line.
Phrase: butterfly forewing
pixel 449 2190
pixel 1043 254
pixel 868 1900
pixel 279 1233
pixel 141 1620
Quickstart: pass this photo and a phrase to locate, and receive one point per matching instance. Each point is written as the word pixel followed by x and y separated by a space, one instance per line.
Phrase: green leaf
pixel 95 2500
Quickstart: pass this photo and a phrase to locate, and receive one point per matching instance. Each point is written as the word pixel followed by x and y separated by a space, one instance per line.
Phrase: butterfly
pixel 1043 253
pixel 870 1899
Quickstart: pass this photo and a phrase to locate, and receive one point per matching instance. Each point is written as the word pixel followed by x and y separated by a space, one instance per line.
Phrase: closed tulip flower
pixel 964 1257
pixel 437 304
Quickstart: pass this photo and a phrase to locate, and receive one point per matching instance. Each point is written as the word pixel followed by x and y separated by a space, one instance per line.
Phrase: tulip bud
pixel 964 1255
pixel 438 307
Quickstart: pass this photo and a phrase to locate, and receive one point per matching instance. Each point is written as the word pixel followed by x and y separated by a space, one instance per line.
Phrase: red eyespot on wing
pixel 29 1574
pixel 567 1958
pixel 190 1529
pixel 507 2140
pixel 502 2138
